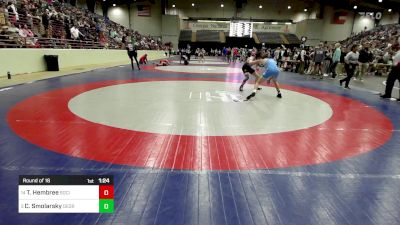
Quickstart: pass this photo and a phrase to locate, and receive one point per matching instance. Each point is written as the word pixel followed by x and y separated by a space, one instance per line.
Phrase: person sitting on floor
pixel 143 59
pixel 163 62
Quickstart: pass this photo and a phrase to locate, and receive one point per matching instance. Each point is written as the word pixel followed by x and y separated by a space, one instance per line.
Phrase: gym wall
pixel 33 60
pixel 307 23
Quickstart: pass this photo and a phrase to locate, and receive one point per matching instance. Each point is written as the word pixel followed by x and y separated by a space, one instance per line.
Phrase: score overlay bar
pixel 65 194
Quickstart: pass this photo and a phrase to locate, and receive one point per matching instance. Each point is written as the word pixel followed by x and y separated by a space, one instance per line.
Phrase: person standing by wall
pixel 327 60
pixel 319 55
pixel 224 51
pixel 340 67
pixel 302 58
pixel 335 60
pixel 364 60
pixel 188 51
pixel 351 62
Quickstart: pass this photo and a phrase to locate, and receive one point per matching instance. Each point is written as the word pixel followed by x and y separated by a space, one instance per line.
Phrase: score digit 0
pixel 106 191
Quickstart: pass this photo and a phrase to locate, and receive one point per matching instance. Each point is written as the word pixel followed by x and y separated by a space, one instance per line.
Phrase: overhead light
pixel 289 7
pixel 305 10
pixel 274 23
pixel 355 7
pixel 104 0
pixel 222 5
pixel 114 5
pixel 389 10
pixel 192 4
pixel 288 23
pixel 379 0
pixel 260 6
pixel 173 6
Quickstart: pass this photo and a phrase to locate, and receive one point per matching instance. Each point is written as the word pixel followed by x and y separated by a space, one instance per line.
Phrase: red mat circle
pixel 46 121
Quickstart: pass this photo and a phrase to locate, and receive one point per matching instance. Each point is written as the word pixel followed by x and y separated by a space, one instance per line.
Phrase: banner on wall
pixel 209 26
pixel 281 28
pixel 339 18
pixel 144 10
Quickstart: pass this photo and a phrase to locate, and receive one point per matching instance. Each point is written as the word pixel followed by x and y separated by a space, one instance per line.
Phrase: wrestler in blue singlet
pixel 271 69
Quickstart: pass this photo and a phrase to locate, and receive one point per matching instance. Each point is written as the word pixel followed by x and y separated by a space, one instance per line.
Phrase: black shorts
pixel 318 63
pixel 132 54
pixel 247 69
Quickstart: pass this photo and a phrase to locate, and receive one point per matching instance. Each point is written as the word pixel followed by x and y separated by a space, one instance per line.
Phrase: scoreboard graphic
pixel 241 29
pixel 65 194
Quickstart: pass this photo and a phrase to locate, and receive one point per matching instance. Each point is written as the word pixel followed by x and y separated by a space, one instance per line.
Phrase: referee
pixel 394 73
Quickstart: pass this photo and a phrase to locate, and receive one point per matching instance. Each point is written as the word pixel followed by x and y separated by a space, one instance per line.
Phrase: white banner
pixel 257 27
pixel 209 26
pixel 282 28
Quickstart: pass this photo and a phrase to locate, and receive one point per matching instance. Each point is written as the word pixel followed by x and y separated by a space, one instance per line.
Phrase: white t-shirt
pixel 276 54
pixel 22 33
pixel 14 11
pixel 302 54
pixel 75 32
pixel 130 47
pixel 352 57
pixel 386 57
pixel 396 58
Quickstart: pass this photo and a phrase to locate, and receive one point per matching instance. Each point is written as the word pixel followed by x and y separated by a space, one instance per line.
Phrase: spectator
pixel 335 60
pixel 340 69
pixel 3 20
pixel 27 31
pixel 49 32
pixel 67 31
pixel 327 60
pixel 12 13
pixel 364 60
pixel 319 55
pixel 113 33
pixel 45 19
pixel 12 35
pixel 75 33
pixel 351 62
pixel 386 57
pixel 23 13
pixel 27 36
pixel 21 32
pixel 52 19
